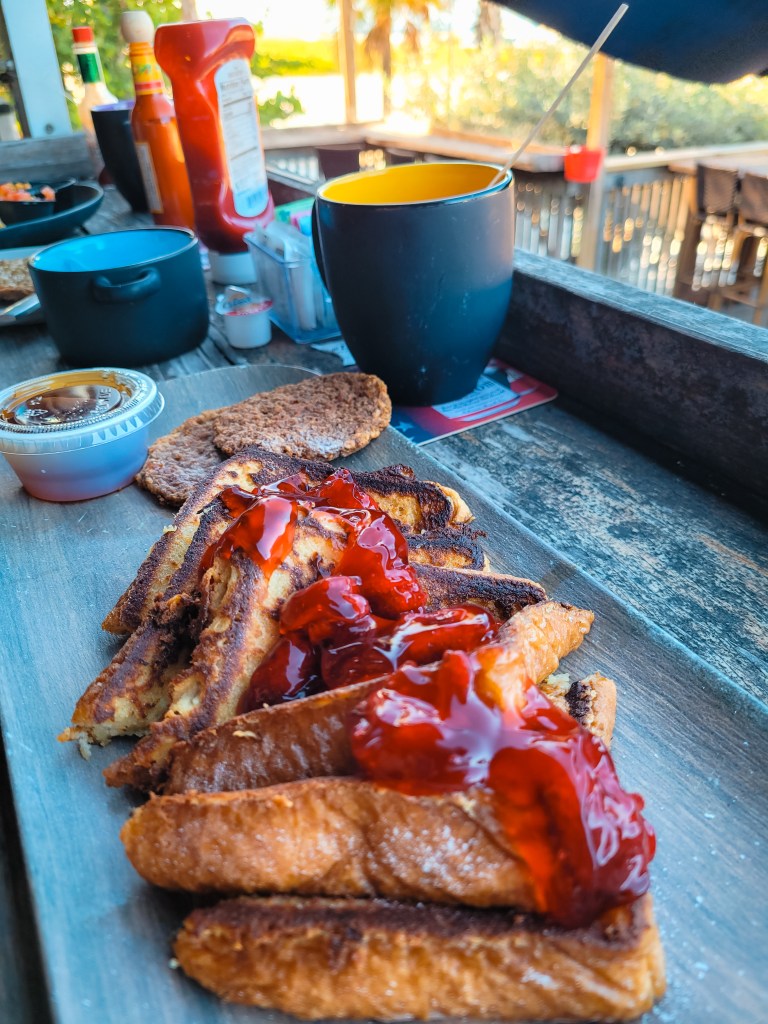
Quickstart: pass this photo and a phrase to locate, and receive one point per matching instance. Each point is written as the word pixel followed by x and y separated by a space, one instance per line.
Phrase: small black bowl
pixel 130 297
pixel 21 211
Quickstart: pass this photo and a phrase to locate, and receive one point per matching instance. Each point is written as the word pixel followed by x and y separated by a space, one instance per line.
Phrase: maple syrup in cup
pixel 418 262
pixel 78 434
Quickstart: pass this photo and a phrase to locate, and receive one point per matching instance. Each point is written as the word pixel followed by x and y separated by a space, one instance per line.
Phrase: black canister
pixel 128 297
pixel 112 124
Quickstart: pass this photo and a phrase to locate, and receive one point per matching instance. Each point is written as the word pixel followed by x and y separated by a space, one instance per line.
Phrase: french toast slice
pixel 239 624
pixel 417 506
pixel 373 959
pixel 219 673
pixel 308 738
pixel 133 690
pixel 330 837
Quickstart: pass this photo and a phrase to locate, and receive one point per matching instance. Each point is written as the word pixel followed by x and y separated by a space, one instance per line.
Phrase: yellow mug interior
pixel 411 183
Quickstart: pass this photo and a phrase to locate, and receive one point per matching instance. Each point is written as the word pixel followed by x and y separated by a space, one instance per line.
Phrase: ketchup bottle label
pixel 242 142
pixel 154 202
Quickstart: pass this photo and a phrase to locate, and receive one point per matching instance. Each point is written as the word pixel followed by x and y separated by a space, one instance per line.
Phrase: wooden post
pixel 347 59
pixel 598 136
pixel 36 67
pixel 189 10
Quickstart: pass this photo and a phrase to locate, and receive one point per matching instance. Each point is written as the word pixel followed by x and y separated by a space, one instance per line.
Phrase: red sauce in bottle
pixel 208 63
pixel 555 789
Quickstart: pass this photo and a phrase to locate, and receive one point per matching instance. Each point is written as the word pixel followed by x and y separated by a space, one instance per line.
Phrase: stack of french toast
pixel 355 731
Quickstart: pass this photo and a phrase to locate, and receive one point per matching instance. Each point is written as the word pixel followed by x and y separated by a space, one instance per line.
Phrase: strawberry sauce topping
pixel 454 714
pixel 555 790
pixel 363 620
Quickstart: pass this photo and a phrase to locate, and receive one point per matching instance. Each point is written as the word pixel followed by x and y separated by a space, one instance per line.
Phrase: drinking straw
pixel 597 45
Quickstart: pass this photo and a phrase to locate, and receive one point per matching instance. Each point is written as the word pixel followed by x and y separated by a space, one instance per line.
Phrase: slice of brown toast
pixel 239 624
pixel 372 959
pixel 239 620
pixel 308 738
pixel 322 417
pixel 417 506
pixel 331 837
pixel 15 281
pixel 133 690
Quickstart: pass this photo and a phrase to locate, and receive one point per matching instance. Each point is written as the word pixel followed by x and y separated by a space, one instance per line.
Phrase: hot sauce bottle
pixel 95 91
pixel 208 63
pixel 155 131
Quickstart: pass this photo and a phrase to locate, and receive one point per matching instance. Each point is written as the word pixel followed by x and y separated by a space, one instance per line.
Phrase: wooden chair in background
pixel 342 159
pixel 714 204
pixel 750 285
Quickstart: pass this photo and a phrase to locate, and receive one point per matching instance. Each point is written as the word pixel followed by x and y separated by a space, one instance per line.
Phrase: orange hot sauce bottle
pixel 208 63
pixel 155 131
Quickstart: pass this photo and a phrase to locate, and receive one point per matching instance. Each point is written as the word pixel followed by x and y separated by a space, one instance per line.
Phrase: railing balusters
pixel 642 223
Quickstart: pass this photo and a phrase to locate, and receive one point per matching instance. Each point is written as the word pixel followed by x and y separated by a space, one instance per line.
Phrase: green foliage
pixel 294 57
pixel 104 18
pixel 504 89
pixel 656 110
pixel 279 106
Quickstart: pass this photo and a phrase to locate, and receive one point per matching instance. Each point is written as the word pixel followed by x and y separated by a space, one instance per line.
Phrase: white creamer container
pixel 78 434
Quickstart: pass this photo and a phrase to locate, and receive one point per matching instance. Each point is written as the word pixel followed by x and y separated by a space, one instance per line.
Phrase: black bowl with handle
pixel 126 298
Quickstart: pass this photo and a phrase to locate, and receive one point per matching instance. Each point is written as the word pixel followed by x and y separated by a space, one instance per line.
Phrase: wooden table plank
pixel 23 989
pixel 691 741
pixel 676 552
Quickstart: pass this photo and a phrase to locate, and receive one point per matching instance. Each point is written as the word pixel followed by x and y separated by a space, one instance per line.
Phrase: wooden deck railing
pixel 643 216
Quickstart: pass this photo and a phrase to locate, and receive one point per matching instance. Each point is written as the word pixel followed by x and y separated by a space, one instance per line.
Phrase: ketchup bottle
pixel 208 64
pixel 155 132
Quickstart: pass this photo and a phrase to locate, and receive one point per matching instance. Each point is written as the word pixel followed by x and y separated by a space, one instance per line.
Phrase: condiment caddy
pixel 286 270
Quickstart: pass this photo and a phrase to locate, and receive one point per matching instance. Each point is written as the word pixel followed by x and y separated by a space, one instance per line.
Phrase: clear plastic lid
pixel 76 409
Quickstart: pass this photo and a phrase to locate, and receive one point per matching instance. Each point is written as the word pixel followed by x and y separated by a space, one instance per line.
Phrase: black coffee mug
pixel 112 124
pixel 418 263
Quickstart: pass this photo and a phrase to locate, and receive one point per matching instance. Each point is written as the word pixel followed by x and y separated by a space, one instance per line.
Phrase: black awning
pixel 703 40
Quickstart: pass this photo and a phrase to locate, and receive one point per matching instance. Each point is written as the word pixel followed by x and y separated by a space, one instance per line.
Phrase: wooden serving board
pixel 687 738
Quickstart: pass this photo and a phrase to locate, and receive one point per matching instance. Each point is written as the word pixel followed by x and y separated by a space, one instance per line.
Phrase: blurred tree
pixel 104 18
pixel 487 27
pixel 505 91
pixel 378 41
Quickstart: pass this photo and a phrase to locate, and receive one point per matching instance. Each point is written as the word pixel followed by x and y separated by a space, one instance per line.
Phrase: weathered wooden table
pixel 678 538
